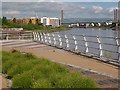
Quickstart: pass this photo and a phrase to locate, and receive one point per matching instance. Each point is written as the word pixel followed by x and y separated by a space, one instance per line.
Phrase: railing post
pixel 118 45
pixel 60 41
pixel 38 36
pixel 44 38
pixel 41 37
pixel 76 47
pixel 119 54
pixel 7 36
pixel 86 44
pixel 100 46
pixel 47 37
pixel 19 37
pixel 67 42
pixel 54 39
pixel 33 36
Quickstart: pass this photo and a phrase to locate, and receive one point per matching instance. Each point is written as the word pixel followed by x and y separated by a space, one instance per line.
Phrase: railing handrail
pixel 52 38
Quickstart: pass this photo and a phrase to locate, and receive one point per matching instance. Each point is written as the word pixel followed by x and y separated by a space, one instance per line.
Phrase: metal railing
pixel 103 48
pixel 13 35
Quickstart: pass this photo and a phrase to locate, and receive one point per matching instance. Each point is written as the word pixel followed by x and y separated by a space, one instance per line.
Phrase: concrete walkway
pixel 65 57
pixel 4 83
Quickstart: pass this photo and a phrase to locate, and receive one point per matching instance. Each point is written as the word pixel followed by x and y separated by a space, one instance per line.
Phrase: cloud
pixel 97 9
pixel 110 10
pixel 82 7
pixel 12 12
pixel 52 9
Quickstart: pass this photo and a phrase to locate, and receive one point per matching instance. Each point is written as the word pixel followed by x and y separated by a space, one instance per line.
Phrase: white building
pixel 50 22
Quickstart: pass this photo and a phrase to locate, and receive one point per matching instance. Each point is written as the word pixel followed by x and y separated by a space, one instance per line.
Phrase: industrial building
pixel 115 15
pixel 26 20
pixel 50 21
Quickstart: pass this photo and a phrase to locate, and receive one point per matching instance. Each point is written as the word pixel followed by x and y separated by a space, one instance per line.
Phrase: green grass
pixel 27 71
pixel 54 29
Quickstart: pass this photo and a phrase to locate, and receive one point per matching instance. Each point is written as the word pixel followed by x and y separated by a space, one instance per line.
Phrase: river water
pixel 109 40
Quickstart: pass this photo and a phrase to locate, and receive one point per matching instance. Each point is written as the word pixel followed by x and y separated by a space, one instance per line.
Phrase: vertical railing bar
pixel 86 44
pixel 118 46
pixel 54 43
pixel 100 46
pixel 60 42
pixel 75 41
pixel 67 41
pixel 39 37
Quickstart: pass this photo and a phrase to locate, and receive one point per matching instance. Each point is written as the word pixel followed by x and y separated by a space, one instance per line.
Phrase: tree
pixel 37 21
pixel 30 21
pixel 118 24
pixel 4 20
pixel 14 20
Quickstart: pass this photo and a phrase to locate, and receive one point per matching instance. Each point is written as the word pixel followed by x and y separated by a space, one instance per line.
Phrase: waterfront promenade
pixel 98 70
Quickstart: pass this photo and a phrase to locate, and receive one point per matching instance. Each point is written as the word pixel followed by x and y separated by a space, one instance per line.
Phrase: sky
pixel 59 0
pixel 52 8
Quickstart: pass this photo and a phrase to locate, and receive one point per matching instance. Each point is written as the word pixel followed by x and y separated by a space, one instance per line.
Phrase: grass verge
pixel 27 71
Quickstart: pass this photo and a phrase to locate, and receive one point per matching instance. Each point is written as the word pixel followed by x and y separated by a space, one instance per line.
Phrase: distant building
pixel 62 17
pixel 115 15
pixel 35 20
pixel 119 11
pixel 50 21
pixel 26 20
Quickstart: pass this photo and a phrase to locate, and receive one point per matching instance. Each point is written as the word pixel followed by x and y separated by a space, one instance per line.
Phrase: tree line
pixel 14 24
